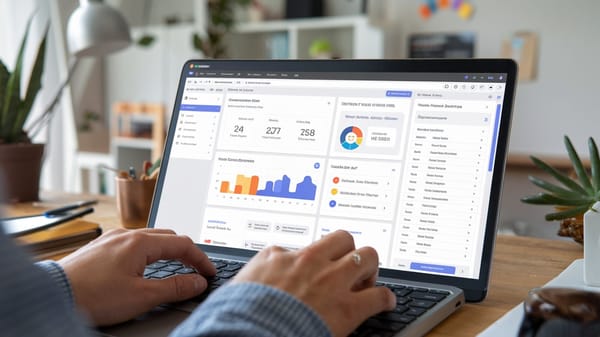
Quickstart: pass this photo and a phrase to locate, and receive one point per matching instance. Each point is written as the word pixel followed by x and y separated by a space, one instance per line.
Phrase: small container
pixel 591 246
pixel 134 199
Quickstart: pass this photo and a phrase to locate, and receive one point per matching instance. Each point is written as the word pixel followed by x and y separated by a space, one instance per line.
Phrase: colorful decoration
pixel 462 8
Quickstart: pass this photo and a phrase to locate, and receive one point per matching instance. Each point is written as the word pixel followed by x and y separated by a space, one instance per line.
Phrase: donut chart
pixel 351 138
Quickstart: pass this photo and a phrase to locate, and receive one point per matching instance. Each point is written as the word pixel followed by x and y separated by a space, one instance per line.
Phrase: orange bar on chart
pixel 225 187
pixel 244 182
pixel 238 189
pixel 253 185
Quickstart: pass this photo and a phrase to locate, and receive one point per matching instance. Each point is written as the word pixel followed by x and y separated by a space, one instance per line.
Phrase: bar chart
pixel 267 182
pixel 280 188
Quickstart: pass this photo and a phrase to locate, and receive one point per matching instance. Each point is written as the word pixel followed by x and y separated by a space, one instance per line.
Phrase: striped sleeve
pixel 249 309
pixel 31 303
pixel 57 274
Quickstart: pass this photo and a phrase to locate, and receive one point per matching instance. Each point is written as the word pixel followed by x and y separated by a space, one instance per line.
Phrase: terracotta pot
pixel 20 166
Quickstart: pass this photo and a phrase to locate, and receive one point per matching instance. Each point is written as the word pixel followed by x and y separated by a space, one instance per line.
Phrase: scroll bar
pixel 494 138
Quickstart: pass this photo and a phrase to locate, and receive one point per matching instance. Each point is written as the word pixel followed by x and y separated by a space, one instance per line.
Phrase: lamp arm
pixel 38 124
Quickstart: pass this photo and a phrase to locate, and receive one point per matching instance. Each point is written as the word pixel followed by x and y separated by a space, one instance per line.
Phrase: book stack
pixel 60 240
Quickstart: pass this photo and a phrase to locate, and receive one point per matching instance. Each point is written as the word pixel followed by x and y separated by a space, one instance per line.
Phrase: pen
pixel 132 172
pixel 67 208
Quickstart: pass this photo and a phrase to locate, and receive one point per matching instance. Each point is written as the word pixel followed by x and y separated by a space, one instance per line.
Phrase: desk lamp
pixel 93 29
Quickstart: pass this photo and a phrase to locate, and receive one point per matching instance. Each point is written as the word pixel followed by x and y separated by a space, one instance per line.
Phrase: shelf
pixel 520 160
pixel 309 24
pixel 138 133
pixel 350 37
pixel 137 143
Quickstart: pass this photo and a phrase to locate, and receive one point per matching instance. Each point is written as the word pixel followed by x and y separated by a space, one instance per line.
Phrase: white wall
pixel 150 74
pixel 13 19
pixel 563 98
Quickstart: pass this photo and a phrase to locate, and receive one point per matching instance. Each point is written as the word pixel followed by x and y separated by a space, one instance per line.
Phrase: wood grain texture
pixel 519 264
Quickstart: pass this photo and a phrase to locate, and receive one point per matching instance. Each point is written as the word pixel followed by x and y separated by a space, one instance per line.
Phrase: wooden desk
pixel 519 264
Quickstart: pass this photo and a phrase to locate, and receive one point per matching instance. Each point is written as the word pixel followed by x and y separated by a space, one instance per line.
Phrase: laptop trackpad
pixel 158 322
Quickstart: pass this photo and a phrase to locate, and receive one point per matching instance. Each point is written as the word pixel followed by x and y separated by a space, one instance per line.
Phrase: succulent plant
pixel 573 196
pixel 15 109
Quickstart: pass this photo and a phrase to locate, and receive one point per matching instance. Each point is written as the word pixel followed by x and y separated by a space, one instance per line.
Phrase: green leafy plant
pixel 15 109
pixel 221 20
pixel 573 196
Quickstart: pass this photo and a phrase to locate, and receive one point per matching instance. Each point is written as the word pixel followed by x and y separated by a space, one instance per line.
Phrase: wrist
pixel 59 277
pixel 253 309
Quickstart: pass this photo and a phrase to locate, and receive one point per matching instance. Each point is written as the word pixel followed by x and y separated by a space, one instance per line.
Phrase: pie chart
pixel 351 137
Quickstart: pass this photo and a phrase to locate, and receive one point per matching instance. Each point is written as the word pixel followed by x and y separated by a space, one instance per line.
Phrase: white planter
pixel 591 246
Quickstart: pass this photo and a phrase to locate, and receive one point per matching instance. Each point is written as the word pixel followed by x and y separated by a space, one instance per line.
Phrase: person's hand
pixel 107 274
pixel 326 276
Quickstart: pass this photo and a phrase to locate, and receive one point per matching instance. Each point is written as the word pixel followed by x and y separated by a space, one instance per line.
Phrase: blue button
pixel 398 93
pixel 194 107
pixel 433 268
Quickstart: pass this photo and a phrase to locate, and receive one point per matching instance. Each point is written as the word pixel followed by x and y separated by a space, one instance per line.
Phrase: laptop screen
pixel 403 160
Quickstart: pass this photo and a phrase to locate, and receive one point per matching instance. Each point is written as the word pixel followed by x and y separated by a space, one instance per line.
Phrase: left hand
pixel 107 280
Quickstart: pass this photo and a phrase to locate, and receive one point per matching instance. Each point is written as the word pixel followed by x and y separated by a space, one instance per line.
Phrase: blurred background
pixel 115 108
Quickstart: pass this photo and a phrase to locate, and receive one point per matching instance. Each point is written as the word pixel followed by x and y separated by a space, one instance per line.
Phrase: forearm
pixel 252 310
pixel 31 303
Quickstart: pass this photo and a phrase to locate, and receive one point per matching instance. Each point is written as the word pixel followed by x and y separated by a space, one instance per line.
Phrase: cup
pixel 134 199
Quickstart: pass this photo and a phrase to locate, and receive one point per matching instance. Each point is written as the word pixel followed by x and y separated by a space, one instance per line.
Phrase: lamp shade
pixel 96 29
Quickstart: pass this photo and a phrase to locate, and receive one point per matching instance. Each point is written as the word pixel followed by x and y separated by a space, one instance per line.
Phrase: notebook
pixel 59 241
pixel 406 155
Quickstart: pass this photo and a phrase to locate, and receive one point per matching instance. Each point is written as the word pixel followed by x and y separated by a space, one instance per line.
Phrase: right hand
pixel 325 277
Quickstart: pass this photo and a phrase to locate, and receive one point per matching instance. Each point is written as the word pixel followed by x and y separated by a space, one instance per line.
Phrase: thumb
pixel 175 288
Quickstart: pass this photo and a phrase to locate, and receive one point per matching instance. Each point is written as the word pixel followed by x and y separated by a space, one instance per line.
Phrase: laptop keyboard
pixel 411 302
pixel 226 270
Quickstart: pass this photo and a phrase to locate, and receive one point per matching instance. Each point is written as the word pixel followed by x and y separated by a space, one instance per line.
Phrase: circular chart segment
pixel 351 138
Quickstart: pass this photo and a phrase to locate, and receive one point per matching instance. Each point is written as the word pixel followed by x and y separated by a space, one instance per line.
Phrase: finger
pixel 358 266
pixel 173 289
pixel 372 301
pixel 161 246
pixel 272 251
pixel 364 284
pixel 333 246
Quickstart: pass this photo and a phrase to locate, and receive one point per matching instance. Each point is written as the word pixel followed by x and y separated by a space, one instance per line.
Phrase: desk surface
pixel 519 264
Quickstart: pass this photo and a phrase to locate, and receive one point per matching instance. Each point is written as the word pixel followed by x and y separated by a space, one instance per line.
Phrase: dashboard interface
pixel 403 161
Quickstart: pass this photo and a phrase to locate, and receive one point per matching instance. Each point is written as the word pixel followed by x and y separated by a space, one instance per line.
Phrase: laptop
pixel 406 155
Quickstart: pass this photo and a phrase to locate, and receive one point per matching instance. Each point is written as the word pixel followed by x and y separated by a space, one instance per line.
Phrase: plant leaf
pixel 595 164
pixel 197 42
pixel 578 166
pixel 33 88
pixel 564 179
pixel 4 75
pixel 548 199
pixel 146 40
pixel 557 190
pixel 13 91
pixel 569 213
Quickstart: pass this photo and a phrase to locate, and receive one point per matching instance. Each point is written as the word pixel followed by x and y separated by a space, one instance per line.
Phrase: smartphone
pixel 26 224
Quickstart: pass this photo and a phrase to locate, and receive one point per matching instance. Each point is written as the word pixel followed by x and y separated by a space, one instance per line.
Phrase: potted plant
pixel 574 195
pixel 20 160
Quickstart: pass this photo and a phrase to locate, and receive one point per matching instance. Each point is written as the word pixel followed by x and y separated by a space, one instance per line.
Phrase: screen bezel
pixel 475 289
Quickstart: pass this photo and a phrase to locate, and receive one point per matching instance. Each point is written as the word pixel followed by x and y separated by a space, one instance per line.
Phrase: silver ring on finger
pixel 356 258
